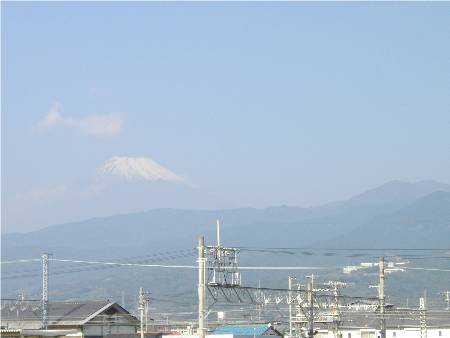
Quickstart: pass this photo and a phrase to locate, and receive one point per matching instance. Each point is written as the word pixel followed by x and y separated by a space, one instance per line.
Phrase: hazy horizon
pixel 392 182
pixel 115 108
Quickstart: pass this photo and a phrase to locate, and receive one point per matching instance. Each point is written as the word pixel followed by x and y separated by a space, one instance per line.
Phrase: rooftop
pixel 59 312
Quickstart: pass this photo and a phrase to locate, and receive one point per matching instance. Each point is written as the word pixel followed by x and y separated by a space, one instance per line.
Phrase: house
pixel 90 319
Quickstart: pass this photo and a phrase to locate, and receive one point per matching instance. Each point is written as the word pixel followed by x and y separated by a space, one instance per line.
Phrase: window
pixel 394 334
pixel 440 333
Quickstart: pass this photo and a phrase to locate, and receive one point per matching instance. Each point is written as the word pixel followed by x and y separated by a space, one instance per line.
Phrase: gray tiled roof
pixel 63 313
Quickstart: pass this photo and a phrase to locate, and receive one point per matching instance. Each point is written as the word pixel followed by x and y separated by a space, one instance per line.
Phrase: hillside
pixel 365 221
pixel 424 223
pixel 164 229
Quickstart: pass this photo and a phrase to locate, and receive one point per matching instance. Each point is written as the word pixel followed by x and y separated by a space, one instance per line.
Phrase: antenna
pixel 218 233
pixel 141 309
pixel 201 287
pixel 382 297
pixel 223 266
pixel 423 315
pixel 45 290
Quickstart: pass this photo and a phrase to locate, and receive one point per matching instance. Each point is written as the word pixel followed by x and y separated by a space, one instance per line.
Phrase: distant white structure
pixel 349 269
pixel 368 264
pixel 391 267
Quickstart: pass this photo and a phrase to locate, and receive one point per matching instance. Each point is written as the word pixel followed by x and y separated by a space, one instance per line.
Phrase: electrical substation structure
pixel 309 304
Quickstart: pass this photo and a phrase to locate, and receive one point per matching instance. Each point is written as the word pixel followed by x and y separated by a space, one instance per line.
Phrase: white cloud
pixel 96 125
pixel 138 168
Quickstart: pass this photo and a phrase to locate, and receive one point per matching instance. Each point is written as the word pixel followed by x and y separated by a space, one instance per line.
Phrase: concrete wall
pixel 216 336
pixel 102 330
pixel 113 324
pixel 398 333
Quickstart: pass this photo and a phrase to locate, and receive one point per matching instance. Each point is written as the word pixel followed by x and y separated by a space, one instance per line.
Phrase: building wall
pixel 215 336
pixel 114 324
pixel 415 333
pixel 195 336
pixel 21 324
pixel 397 333
pixel 102 330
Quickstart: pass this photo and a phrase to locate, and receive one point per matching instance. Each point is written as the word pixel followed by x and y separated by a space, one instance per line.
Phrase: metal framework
pixel 382 298
pixel 309 303
pixel 222 264
pixel 45 273
pixel 423 318
pixel 143 308
pixel 201 288
pixel 446 295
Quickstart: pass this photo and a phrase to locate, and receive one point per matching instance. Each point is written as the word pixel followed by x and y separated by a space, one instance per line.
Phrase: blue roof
pixel 242 330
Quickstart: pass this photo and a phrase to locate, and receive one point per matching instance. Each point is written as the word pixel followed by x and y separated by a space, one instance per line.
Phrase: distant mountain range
pixel 424 223
pixel 159 229
pixel 398 193
pixel 394 215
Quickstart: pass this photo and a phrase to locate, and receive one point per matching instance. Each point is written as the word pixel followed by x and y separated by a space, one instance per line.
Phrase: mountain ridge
pixel 420 224
pixel 134 238
pixel 408 192
pixel 166 227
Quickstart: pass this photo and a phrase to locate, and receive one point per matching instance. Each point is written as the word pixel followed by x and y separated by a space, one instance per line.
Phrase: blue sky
pixel 248 104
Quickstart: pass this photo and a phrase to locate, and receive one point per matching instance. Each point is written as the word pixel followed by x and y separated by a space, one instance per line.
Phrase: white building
pixel 400 323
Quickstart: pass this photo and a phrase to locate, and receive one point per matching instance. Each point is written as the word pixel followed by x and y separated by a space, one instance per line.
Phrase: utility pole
pixel 218 233
pixel 290 305
pixel 447 299
pixel 201 287
pixel 336 315
pixel 122 296
pixel 147 305
pixel 260 300
pixel 423 317
pixel 45 272
pixel 217 258
pixel 382 299
pixel 310 289
pixel 141 309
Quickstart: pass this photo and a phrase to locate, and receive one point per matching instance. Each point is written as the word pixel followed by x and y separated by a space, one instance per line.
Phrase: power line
pixel 426 269
pixel 341 249
pixel 126 264
pixel 286 268
pixel 123 264
pixel 157 257
pixel 351 252
pixel 195 267
pixel 21 261
pixel 179 253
